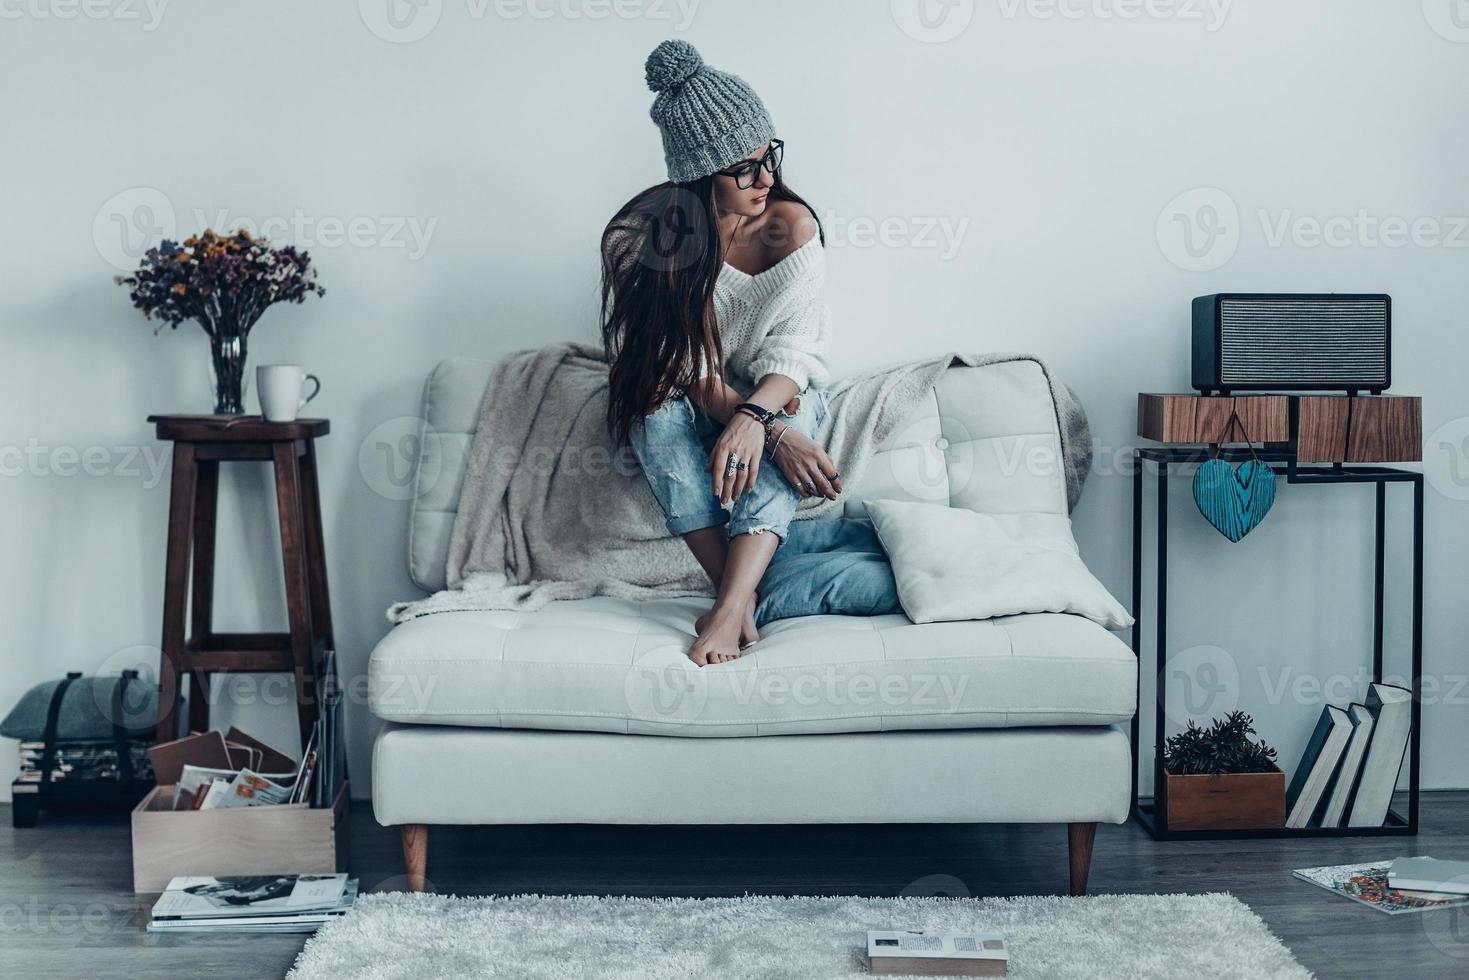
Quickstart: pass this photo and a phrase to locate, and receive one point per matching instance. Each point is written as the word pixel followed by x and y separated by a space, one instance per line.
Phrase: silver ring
pixel 809 487
pixel 731 464
pixel 742 466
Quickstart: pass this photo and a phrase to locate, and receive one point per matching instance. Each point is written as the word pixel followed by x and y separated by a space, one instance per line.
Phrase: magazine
pixel 1367 883
pixel 240 895
pixel 246 919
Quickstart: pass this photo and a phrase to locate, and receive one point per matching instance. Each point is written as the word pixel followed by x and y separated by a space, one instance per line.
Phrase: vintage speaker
pixel 1292 341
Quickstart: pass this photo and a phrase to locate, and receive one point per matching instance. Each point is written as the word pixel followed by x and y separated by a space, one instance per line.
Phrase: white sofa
pixel 581 712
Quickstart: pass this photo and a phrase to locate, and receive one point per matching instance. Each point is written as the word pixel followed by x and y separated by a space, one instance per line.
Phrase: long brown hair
pixel 661 255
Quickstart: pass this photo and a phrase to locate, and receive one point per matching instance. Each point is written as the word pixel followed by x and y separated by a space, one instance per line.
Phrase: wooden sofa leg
pixel 1080 837
pixel 415 854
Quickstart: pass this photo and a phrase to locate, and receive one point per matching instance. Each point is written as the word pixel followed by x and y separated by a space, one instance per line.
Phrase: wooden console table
pixel 201 443
pixel 1334 435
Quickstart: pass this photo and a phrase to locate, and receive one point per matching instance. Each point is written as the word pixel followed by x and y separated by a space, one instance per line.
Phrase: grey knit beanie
pixel 709 118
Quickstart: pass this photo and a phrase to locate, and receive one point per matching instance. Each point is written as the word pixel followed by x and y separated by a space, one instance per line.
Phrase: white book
pixel 1351 766
pixel 1426 874
pixel 1318 764
pixel 948 954
pixel 1391 711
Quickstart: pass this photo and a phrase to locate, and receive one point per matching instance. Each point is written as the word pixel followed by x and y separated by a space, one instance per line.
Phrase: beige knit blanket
pixel 551 509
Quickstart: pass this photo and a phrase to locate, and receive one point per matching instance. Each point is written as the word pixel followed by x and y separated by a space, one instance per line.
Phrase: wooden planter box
pixel 1235 801
pixel 260 840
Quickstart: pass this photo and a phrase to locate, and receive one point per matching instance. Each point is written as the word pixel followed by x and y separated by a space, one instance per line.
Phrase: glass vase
pixel 227 360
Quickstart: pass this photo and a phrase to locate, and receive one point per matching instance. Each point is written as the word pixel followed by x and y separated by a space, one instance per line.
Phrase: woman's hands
pixel 744 439
pixel 807 466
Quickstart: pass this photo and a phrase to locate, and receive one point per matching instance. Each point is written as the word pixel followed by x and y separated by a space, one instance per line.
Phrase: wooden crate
pixel 283 839
pixel 1234 801
pixel 1322 428
pixel 1375 429
pixel 1195 419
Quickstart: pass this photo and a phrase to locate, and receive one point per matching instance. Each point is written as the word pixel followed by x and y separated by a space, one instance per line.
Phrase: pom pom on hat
pixel 671 64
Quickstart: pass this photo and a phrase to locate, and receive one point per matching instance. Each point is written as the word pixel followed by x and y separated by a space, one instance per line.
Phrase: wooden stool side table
pixel 201 443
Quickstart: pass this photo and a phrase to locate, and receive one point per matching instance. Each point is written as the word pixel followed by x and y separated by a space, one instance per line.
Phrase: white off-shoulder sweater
pixel 775 322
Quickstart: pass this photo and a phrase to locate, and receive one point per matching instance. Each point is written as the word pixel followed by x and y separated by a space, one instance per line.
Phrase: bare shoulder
pixel 788 226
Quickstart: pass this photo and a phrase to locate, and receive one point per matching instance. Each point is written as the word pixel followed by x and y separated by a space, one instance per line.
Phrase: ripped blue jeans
pixel 673 443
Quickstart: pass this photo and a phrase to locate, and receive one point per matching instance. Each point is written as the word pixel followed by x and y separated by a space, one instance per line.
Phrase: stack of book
pixel 77 762
pixel 252 903
pixel 1350 767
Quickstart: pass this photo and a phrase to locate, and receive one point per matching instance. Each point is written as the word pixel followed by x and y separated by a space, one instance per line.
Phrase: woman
pixel 718 338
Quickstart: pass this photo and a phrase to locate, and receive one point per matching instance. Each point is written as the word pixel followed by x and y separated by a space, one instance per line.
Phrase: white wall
pixel 1051 144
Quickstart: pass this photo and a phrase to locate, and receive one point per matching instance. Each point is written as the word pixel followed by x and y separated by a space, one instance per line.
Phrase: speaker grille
pixel 1303 341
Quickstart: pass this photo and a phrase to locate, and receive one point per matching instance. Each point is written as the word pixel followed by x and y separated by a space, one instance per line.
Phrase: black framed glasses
pixel 747 171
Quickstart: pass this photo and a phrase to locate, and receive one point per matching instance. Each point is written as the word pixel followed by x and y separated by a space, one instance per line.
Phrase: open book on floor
pixel 1368 883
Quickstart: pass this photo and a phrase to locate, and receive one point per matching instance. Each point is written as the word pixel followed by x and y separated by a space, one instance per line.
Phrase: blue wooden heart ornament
pixel 1235 499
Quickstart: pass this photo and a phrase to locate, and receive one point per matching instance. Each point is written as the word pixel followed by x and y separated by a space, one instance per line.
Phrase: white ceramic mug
pixel 279 389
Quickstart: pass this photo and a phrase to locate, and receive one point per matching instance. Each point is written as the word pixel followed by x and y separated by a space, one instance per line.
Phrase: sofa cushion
pixel 984 438
pixel 615 665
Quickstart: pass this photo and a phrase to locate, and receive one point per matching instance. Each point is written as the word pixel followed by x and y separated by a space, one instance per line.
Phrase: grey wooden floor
pixel 67 911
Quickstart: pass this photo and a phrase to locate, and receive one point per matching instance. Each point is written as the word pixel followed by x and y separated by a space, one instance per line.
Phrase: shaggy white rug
pixel 529 937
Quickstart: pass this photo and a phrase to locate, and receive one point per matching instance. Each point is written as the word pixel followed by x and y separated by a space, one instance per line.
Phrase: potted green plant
pixel 225 283
pixel 1221 778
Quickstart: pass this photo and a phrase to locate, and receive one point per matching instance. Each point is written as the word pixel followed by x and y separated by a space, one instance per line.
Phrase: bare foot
pixel 748 631
pixel 719 637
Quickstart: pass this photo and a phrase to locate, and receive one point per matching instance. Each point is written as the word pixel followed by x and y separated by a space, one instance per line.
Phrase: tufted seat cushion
pixel 614 665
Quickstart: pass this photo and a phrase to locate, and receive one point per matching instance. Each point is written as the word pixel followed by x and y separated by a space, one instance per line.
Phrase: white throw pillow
pixel 952 564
